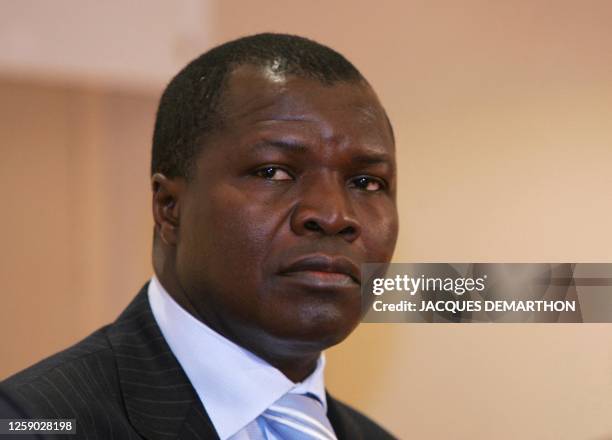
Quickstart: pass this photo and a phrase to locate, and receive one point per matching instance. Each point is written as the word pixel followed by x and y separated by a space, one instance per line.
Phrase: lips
pixel 324 270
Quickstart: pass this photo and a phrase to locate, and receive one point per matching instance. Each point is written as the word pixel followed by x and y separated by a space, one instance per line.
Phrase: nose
pixel 324 208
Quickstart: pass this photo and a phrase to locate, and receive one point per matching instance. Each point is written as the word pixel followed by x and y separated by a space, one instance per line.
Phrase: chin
pixel 320 327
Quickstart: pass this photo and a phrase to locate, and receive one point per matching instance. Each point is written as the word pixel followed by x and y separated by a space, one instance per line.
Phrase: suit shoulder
pixel 92 344
pixel 66 383
pixel 344 415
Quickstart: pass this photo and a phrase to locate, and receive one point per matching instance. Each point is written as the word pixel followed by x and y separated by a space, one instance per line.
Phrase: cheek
pixel 233 232
pixel 379 232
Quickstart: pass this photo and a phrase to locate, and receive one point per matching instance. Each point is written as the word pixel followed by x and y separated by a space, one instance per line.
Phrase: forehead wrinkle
pixel 271 110
pixel 252 106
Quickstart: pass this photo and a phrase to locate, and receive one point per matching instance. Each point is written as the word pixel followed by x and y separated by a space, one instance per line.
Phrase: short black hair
pixel 189 107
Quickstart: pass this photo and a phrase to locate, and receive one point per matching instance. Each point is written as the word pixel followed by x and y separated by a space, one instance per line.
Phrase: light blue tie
pixel 292 417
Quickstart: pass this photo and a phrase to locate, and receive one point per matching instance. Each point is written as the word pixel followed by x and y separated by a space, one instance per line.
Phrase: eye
pixel 273 173
pixel 367 183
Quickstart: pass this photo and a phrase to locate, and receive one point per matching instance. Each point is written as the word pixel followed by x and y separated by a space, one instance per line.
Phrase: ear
pixel 167 194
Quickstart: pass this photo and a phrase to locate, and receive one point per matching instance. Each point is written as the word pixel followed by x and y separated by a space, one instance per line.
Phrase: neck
pixel 296 369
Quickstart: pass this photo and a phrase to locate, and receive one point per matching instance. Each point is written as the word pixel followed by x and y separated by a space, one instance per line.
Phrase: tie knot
pixel 304 402
pixel 299 416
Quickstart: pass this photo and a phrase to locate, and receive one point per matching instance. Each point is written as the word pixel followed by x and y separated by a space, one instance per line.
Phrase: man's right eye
pixel 273 173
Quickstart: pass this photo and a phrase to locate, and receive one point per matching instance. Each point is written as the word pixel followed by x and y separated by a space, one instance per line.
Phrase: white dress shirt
pixel 233 384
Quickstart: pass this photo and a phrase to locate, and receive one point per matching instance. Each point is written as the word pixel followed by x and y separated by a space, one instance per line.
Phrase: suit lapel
pixel 158 397
pixel 344 426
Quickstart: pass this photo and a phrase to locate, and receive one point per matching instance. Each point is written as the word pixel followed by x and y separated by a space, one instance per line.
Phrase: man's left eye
pixel 273 173
pixel 367 183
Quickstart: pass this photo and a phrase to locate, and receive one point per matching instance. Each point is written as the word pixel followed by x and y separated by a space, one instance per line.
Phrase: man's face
pixel 289 198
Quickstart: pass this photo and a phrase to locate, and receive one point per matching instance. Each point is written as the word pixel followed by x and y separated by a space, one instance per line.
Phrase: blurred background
pixel 503 117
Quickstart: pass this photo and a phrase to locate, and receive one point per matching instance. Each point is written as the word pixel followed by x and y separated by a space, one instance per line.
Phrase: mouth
pixel 324 271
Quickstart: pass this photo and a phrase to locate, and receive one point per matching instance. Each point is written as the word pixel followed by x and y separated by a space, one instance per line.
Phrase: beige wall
pixel 75 213
pixel 502 112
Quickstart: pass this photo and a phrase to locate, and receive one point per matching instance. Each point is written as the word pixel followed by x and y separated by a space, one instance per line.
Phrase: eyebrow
pixel 295 146
pixel 373 157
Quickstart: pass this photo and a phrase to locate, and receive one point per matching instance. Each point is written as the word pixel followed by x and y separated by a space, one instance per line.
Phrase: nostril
pixel 349 230
pixel 311 225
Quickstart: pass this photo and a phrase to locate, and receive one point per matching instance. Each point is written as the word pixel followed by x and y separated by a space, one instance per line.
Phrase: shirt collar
pixel 233 384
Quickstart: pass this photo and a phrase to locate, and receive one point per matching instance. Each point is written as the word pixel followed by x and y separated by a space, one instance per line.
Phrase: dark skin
pixel 288 198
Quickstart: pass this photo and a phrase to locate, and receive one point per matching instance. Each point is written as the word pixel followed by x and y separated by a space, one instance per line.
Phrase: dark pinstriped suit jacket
pixel 123 382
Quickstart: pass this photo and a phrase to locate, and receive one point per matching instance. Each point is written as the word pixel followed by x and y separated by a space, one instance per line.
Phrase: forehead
pixel 255 96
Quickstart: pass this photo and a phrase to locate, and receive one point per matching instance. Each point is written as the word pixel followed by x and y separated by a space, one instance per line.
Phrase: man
pixel 273 178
